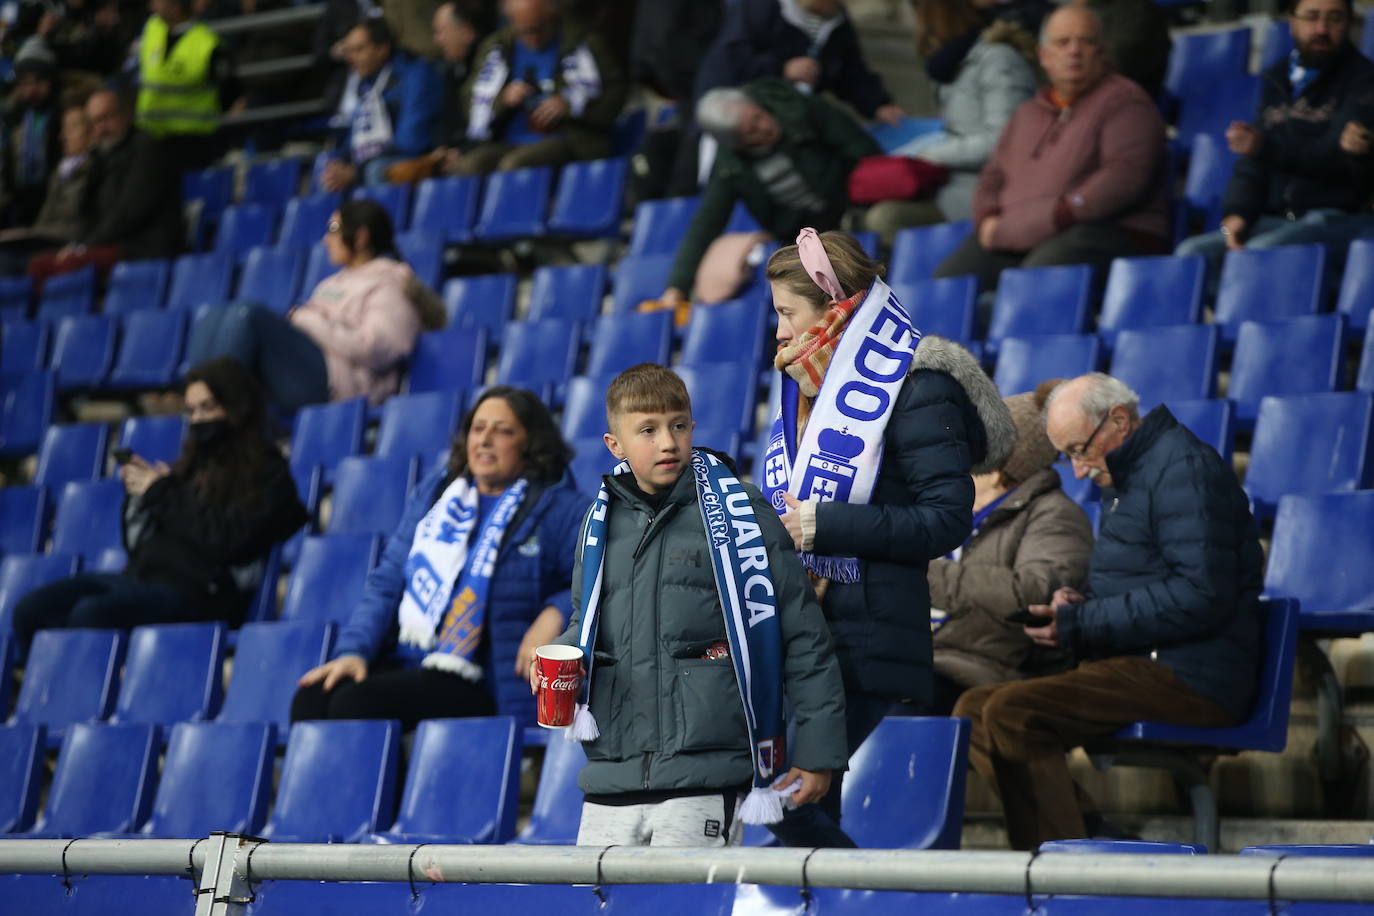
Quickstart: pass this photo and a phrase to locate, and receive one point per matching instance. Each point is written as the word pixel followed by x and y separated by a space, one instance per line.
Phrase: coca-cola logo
pixel 558 683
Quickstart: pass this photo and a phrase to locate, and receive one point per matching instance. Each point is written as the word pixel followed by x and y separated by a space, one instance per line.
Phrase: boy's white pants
pixel 695 820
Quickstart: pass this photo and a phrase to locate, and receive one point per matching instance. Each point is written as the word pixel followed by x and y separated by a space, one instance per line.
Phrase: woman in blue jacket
pixel 474 578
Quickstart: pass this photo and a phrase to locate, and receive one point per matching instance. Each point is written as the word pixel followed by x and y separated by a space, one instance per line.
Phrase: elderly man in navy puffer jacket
pixel 1169 630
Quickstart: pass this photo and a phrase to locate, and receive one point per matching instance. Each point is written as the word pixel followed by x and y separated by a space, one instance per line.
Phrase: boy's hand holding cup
pixel 555 680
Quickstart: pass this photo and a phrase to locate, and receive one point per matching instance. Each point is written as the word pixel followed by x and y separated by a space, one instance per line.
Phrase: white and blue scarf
pixel 581 82
pixel 841 450
pixel 739 558
pixel 444 605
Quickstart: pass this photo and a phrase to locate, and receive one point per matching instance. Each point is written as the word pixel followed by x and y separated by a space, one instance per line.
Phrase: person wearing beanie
pixel 1028 540
pixel 33 126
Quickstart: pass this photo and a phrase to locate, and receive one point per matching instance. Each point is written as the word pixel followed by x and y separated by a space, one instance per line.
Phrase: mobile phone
pixel 123 455
pixel 1027 619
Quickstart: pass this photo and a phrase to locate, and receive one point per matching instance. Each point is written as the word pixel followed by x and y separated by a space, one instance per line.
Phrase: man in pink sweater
pixel 1078 174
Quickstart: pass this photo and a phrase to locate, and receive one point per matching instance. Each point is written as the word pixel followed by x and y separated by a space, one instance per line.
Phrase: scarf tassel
pixel 453 664
pixel 836 569
pixel 761 806
pixel 584 727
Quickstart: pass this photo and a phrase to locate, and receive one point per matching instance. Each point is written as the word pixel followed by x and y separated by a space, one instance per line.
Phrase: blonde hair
pixel 646 388
pixel 855 270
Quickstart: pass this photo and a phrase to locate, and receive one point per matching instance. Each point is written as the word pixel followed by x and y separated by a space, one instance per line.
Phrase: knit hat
pixel 35 57
pixel 1033 450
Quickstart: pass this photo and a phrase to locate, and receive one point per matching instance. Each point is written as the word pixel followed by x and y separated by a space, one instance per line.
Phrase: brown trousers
pixel 1022 730
pixel 502 157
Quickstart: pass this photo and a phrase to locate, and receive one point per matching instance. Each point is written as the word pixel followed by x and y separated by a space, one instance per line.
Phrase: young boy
pixel 694 616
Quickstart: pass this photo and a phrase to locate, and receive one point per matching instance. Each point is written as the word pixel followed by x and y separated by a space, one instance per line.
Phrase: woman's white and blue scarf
pixel 739 558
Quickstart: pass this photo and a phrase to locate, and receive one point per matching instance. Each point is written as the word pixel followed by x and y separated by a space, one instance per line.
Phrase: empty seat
pixel 591 460
pixel 1209 420
pixel 273 181
pixel 514 204
pixel 572 292
pixel 913 765
pixel 1310 443
pixel 1320 556
pixel 21 573
pixel 172 673
pixel 478 808
pixel 1170 364
pixel 584 408
pixel 156 438
pixel 369 494
pixel 1025 362
pixel 659 225
pixel 21 775
pixel 83 348
pixel 214 188
pixel 587 203
pixel 724 438
pixel 23 511
pixel 216 777
pixel 1151 292
pixel 268 660
pixel 724 332
pixel 150 350
pixel 15 294
pixel 446 207
pixel 71 451
pixel 26 406
pixel 338 782
pixel 136 286
pixel 244 226
pixel 918 251
pixel 318 268
pixel 271 277
pixel 723 395
pixel 419 425
pixel 1364 378
pixel 88 518
pixel 639 278
pixel 621 341
pixel 70 676
pixel 486 301
pixel 424 253
pixel 557 811
pixel 25 346
pixel 1276 45
pixel 103 782
pixel 394 198
pixel 944 307
pixel 1234 98
pixel 322 435
pixel 450 360
pixel 71 293
pixel 537 353
pixel 1356 300
pixel 1040 300
pixel 304 220
pixel 1262 284
pixel 1292 356
pixel 200 279
pixel 1201 59
pixel 1209 169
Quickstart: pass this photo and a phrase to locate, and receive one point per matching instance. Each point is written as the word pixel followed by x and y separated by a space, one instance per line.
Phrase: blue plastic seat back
pixel 913 765
pixel 103 782
pixel 1081 490
pixel 725 332
pixel 424 253
pixel 537 353
pixel 327 580
pixel 724 395
pixel 446 207
pixel 918 251
pixel 173 672
pixel 1290 356
pixel 154 439
pixel 83 348
pixel 272 182
pixel 418 425
pixel 1364 378
pixel 659 225
pixel 451 360
pixel 338 782
pixel 478 808
pixel 150 350
pixel 584 408
pixel 216 776
pixel 1025 362
pixel 486 301
pixel 243 227
pixel 88 518
pixel 15 295
pixel 1320 556
pixel 1332 850
pixel 136 286
pixel 318 267
pixel 70 676
pixel 1040 300
pixel 268 660
pixel 1310 443
pixel 1212 421
pixel 71 451
pixel 591 460
pixel 290 898
pixel 25 346
pixel 1119 847
pixel 674 900
pixel 26 407
pixel 1200 60
pixel 514 204
pixel 21 775
pixel 944 307
pixel 200 279
pixel 639 278
pixel 370 494
pixel 869 242
pixel 1367 38
pixel 23 511
pixel 304 220
pixel 557 811
pixel 725 438
pixel 1151 292
pixel 1209 170
pixel 213 187
pixel 394 199
pixel 1277 44
pixel 573 292
pixel 325 434
pixel 71 293
pixel 1232 98
pixel 1356 300
pixel 271 277
pixel 588 200
pixel 1264 284
pixel 621 341
pixel 1168 364
pixel 21 573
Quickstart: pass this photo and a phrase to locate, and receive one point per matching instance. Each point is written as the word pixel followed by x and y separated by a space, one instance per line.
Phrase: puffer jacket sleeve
pixel 1004 81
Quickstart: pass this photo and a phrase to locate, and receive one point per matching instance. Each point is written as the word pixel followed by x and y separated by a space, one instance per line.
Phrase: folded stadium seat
pixel 1209 171
pixel 1310 443
pixel 1338 850
pixel 370 494
pixel 538 355
pixel 1268 283
pixel 21 573
pixel 1212 421
pixel 1137 847
pixel 588 201
pixel 724 395
pixel 945 307
pixel 172 673
pixel 1081 490
pixel 151 349
pixel 425 254
pixel 327 580
pixel 82 351
pixel 321 436
pixel 1364 378
pixel 573 292
pixel 478 808
pixel 271 277
pixel 1168 364
pixel 918 251
pixel 21 775
pixel 137 285
pixel 557 811
pixel 338 782
pixel 264 603
pixel 25 346
pixel 200 279
pixel 1151 292
pixel 103 782
pixel 591 460
pixel 70 676
pixel 26 407
pixel 639 278
pixel 1211 110
pixel 1357 285
pixel 1290 356
pixel 71 293
pixel 71 451
pixel 23 511
pixel 273 181
pixel 153 438
pixel 659 225
pixel 245 226
pixel 1201 60
pixel 15 295
pixel 1025 362
pixel 213 187
pixel 514 205
pixel 486 301
pixel 725 332
pixel 445 208
pixel 270 657
pixel 394 198
pixel 317 268
pixel 1040 300
pixel 870 243
pixel 88 518
pixel 305 219
pixel 419 425
pixel 451 360
pixel 584 407
pixel 621 341
pixel 217 776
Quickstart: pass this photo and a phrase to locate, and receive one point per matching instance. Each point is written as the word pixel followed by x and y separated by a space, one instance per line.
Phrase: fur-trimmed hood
pixel 941 355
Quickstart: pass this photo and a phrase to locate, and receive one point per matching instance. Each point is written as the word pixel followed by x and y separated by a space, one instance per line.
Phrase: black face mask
pixel 208 432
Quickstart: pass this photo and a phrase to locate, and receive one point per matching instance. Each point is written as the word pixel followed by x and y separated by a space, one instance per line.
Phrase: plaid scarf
pixel 806 359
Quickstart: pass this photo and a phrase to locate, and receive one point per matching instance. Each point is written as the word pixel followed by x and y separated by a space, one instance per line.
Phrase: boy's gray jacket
pixel 669 718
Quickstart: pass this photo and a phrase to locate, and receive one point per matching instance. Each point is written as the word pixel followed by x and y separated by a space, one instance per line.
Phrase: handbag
pixel 879 178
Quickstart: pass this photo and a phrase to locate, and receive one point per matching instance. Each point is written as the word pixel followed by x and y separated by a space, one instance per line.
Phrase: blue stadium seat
pixel 446 207
pixel 150 351
pixel 267 662
pixel 1367 37
pixel 172 673
pixel 82 350
pixel 1332 850
pixel 322 435
pixel 1081 490
pixel 557 811
pixel 71 293
pixel 1212 421
pixel 419 425
pixel 1040 300
pixel 944 307
pixel 21 775
pixel 394 198
pixel 725 332
pixel 629 129
pixel 369 494
pixel 25 346
pixel 584 407
pixel 26 406
pixel 213 187
pixel 590 461
pixel 537 353
pixel 71 451
pixel 153 438
pixel 425 255
pixel 271 277
pixel 290 898
pixel 723 395
pixel 913 765
pixel 1364 378
pixel 480 807
pixel 15 295
pixel 587 203
pixel 1356 300
pixel 1151 292
pixel 273 181
pixel 216 776
pixel 200 279
pixel 304 220
pixel 1320 557
pixel 244 226
pixel 21 573
pixel 659 225
pixel 338 782
pixel 1291 356
pixel 452 360
pixel 514 205
pixel 869 242
pixel 1025 362
pixel 486 301
pixel 639 278
pixel 724 438
pixel 1201 60
pixel 317 268
pixel 1168 364
pixel 136 286
pixel 70 676
pixel 621 341
pixel 1211 111
pixel 1276 44
pixel 88 518
pixel 1268 283
pixel 917 251
pixel 103 781
pixel 1209 169
pixel 1119 847
pixel 23 511
pixel 1310 443
pixel 572 292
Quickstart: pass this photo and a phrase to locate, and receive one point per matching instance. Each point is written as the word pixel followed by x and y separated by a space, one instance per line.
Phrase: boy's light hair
pixel 646 388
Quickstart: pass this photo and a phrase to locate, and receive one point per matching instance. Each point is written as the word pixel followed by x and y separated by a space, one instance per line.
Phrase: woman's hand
pixel 343 668
pixel 813 785
pixel 547 627
pixel 138 475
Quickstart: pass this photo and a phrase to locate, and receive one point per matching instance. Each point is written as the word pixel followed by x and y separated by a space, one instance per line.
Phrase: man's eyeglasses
pixel 1077 453
pixel 1335 19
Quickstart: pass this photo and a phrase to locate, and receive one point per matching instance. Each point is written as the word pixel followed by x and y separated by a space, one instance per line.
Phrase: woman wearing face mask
pixel 197 531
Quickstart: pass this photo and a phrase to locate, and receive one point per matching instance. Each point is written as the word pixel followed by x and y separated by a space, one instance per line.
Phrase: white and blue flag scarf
pixel 739 558
pixel 444 605
pixel 841 450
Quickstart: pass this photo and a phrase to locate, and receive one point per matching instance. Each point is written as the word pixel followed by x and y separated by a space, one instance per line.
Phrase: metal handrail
pixel 251 22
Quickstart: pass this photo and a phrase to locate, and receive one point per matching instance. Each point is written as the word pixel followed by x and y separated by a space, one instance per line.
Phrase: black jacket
pixel 1300 165
pixel 133 200
pixel 1177 568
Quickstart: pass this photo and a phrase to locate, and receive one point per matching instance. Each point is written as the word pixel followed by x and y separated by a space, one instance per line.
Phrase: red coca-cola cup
pixel 560 676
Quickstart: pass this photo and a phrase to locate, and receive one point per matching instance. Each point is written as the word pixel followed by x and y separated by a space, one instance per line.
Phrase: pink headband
pixel 817 264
